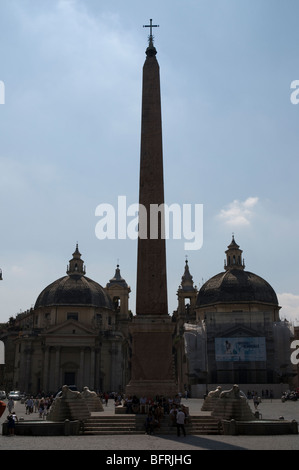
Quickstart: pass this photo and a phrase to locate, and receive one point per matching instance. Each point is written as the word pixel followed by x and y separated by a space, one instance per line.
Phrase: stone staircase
pixel 134 424
pixel 68 409
pixel 204 425
pixel 111 425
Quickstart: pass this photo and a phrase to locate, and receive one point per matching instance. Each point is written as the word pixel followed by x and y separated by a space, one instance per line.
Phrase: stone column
pixel 151 295
pixel 152 370
pixel 57 371
pixel 97 370
pixel 45 383
pixel 81 377
pixel 92 369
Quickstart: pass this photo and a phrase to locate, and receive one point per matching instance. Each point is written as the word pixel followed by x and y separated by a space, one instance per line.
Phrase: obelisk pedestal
pixel 152 371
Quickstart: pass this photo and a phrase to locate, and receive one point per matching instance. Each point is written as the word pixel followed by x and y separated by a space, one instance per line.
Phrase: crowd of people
pixel 155 409
pixel 39 404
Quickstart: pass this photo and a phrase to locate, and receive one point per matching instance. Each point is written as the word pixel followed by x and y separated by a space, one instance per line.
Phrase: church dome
pixel 75 289
pixel 235 284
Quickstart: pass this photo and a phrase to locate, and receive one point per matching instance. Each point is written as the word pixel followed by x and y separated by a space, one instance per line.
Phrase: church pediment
pixel 69 327
pixel 115 286
pixel 239 331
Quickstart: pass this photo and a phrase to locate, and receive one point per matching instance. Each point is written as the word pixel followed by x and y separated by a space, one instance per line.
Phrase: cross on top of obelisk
pixel 151 26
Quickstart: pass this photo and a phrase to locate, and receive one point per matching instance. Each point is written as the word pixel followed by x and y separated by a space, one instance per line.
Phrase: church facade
pixel 230 331
pixel 76 334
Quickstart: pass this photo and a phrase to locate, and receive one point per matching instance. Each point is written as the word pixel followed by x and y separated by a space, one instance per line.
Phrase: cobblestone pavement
pixel 155 443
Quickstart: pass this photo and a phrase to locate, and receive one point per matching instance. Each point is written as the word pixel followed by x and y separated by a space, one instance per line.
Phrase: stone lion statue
pixel 210 399
pixel 234 392
pixel 86 393
pixel 93 402
pixel 215 393
pixel 69 394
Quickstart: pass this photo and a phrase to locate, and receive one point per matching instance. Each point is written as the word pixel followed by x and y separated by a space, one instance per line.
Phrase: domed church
pixel 236 285
pixel 74 289
pixel 233 333
pixel 76 334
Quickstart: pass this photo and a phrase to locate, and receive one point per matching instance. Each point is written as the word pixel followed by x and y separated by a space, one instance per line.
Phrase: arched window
pixel 116 302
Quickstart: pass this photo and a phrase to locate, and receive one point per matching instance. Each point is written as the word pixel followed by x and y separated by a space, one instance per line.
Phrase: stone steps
pixel 205 425
pixel 68 409
pixel 108 425
pixel 134 424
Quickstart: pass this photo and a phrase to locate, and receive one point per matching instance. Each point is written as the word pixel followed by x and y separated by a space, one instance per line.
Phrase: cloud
pixel 18 270
pixel 239 213
pixel 290 307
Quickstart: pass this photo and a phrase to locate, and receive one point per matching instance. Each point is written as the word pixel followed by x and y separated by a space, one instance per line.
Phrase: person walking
pixel 10 405
pixel 36 405
pixel 106 398
pixel 149 423
pixel 29 406
pixel 180 422
pixel 256 401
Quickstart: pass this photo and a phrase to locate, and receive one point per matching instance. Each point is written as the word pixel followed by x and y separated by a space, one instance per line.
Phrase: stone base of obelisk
pixel 152 365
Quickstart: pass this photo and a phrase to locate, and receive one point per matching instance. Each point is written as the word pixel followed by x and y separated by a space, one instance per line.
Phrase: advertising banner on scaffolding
pixel 240 349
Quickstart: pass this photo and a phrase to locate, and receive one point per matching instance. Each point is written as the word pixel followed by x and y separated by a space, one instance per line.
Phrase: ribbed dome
pixel 74 289
pixel 70 290
pixel 236 285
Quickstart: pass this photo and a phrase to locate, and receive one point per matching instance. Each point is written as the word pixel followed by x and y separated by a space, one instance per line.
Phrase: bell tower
pixel 119 291
pixel 76 264
pixel 187 295
pixel 234 257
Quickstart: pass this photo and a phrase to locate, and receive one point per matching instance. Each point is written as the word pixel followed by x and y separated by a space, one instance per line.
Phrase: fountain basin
pixel 262 427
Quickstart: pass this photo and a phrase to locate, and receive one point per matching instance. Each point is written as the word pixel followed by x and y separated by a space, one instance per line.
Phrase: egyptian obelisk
pixel 152 368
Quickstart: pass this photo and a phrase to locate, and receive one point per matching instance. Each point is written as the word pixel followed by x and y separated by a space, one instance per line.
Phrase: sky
pixel 70 120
